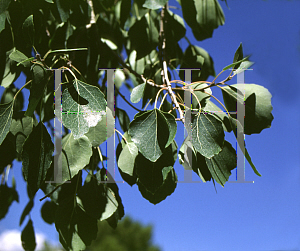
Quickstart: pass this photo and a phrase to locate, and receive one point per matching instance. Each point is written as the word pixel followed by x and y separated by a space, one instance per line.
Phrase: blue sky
pixel 264 215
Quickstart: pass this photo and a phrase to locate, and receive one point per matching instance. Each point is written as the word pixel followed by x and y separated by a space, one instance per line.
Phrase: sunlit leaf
pixel 155 4
pixel 6 112
pixel 83 106
pixel 137 93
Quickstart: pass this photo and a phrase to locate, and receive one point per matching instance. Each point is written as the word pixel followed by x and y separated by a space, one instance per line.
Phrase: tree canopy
pixel 93 48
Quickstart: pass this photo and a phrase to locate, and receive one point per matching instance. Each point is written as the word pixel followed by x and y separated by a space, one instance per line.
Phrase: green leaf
pixel 26 211
pixel 238 55
pixel 49 1
pixel 137 93
pixel 6 112
pixel 123 118
pixel 4 5
pixel 197 58
pixel 37 157
pixel 7 151
pixel 92 197
pixel 190 159
pixel 83 106
pixel 172 127
pixel 155 4
pixel 10 71
pixel 9 94
pixel 21 127
pixel 150 133
pixel 76 228
pixel 39 83
pixel 143 36
pixel 175 28
pixel 20 58
pixel 127 158
pixel 28 30
pixel 239 134
pixel 235 64
pixel 103 130
pixel 220 165
pixel 202 16
pixel 258 105
pixel 68 50
pixel 218 112
pixel 157 180
pixel 63 8
pixel 2 21
pixel 28 237
pixel 201 95
pixel 207 134
pixel 124 11
pixel 48 211
pixel 7 196
pixel 243 66
pixel 75 156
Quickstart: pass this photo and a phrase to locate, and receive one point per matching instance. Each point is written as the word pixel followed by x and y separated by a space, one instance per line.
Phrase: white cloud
pixel 10 240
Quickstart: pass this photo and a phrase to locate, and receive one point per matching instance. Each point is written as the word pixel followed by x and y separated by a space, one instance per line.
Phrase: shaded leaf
pixel 6 112
pixel 2 21
pixel 238 55
pixel 20 58
pixel 220 165
pixel 150 133
pixel 39 82
pixel 83 107
pixel 7 196
pixel 235 64
pixel 207 134
pixel 9 94
pixel 28 30
pixel 26 211
pixel 123 119
pixel 48 211
pixel 28 237
pixel 75 156
pixel 4 5
pixel 37 157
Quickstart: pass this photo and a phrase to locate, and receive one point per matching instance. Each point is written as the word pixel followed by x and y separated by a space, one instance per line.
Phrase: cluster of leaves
pixel 142 37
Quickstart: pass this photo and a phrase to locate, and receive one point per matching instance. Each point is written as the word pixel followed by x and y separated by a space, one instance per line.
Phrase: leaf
pixel 7 151
pixel 76 228
pixel 39 83
pixel 235 64
pixel 243 66
pixel 124 12
pixel 68 50
pixel 20 58
pixel 48 211
pixel 92 197
pixel 239 134
pixel 137 93
pixel 83 107
pixel 238 55
pixel 197 58
pixel 4 5
pixel 150 133
pixel 49 1
pixel 21 127
pixel 63 10
pixel 155 4
pixel 143 36
pixel 207 134
pixel 202 16
pixel 26 211
pixel 2 21
pixel 9 94
pixel 175 28
pixel 37 157
pixel 157 180
pixel 6 112
pixel 220 165
pixel 218 112
pixel 127 158
pixel 123 118
pixel 75 156
pixel 7 196
pixel 28 237
pixel 172 127
pixel 10 72
pixel 103 130
pixel 28 30
pixel 201 95
pixel 258 105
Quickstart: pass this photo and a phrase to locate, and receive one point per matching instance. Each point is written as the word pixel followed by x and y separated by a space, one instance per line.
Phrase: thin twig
pixel 137 109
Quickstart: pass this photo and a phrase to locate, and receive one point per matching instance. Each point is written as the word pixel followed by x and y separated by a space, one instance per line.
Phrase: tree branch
pixel 164 72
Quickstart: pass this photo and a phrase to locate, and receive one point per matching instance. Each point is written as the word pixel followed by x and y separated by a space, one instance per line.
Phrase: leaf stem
pixel 22 88
pixel 121 136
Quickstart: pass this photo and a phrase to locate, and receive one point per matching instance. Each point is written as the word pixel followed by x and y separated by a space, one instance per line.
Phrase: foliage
pixel 141 37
